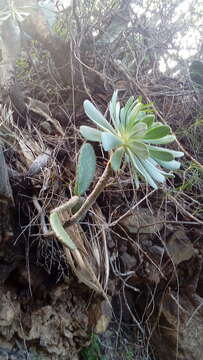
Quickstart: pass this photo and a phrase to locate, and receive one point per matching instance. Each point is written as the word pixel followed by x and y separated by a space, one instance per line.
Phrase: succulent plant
pixel 133 134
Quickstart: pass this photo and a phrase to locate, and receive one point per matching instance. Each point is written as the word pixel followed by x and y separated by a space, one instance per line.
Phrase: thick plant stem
pixel 92 197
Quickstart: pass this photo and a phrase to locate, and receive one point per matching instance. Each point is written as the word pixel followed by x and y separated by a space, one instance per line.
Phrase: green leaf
pixel 96 116
pixel 110 141
pixel 170 165
pixel 140 149
pixel 90 133
pixel 86 168
pixel 164 140
pixel 172 152
pixel 153 171
pixel 156 163
pixel 60 232
pixel 134 112
pixel 141 115
pixel 122 117
pixel 112 109
pixel 159 154
pixel 117 159
pixel 117 115
pixel 138 130
pixel 157 132
pixel 148 120
pixel 140 168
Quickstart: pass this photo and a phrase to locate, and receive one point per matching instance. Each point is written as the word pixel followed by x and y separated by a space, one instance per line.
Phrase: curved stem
pixel 92 197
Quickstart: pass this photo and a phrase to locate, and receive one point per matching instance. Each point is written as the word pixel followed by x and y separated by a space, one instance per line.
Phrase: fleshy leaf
pixel 139 129
pixel 139 167
pixel 112 107
pixel 133 113
pixel 172 152
pixel 96 116
pixel 170 165
pixel 90 133
pixel 157 132
pixel 157 165
pixel 60 232
pixel 148 120
pixel 140 149
pixel 162 141
pixel 153 171
pixel 110 141
pixel 86 168
pixel 117 159
pixel 159 154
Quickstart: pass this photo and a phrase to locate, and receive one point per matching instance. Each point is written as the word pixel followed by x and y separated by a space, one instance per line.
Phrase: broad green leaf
pixel 86 168
pixel 157 132
pixel 164 140
pixel 90 133
pixel 140 150
pixel 96 116
pixel 160 154
pixel 139 167
pixel 117 159
pixel 172 152
pixel 170 165
pixel 110 141
pixel 60 232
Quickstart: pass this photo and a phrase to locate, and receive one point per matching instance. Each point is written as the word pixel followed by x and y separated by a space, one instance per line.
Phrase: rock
pixel 144 221
pixel 179 247
pixel 100 315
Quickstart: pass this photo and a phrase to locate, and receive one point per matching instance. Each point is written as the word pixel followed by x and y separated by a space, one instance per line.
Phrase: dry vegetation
pixel 142 249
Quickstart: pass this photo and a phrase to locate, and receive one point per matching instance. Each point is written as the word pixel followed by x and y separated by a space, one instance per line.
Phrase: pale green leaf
pixel 153 171
pixel 156 164
pixel 112 107
pixel 159 154
pixel 170 165
pixel 139 167
pixel 141 115
pixel 117 125
pixel 117 159
pixel 60 232
pixel 96 116
pixel 134 112
pixel 157 132
pixel 140 149
pixel 148 120
pixel 110 141
pixel 164 140
pixel 86 168
pixel 172 152
pixel 139 129
pixel 90 133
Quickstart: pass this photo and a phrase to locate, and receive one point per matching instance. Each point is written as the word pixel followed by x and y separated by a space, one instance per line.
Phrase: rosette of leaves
pixel 135 136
